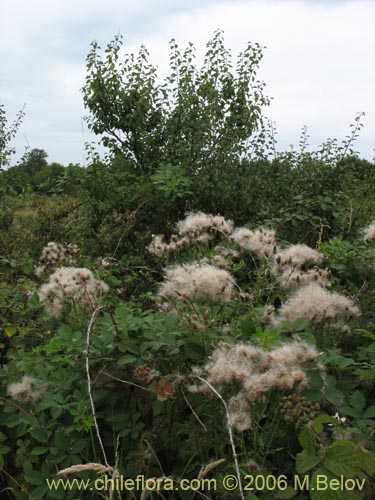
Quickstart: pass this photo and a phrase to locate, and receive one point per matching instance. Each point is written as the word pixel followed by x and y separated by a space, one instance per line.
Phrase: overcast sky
pixel 319 65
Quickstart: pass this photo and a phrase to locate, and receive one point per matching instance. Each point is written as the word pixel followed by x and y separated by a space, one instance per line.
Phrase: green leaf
pixel 79 445
pixel 341 458
pixel 62 441
pixel 126 360
pixel 193 351
pixel 289 492
pixel 10 331
pixel 40 435
pixel 39 450
pixel 123 317
pixel 333 395
pixel 352 412
pixel 35 477
pixel 301 324
pixel 307 439
pixel 369 412
pixel 251 496
pixel 65 332
pixel 247 325
pixel 358 400
pixel 314 396
pixel 365 333
pixel 305 461
pixel 366 460
pixel 316 381
pixel 33 301
pixel 318 422
pixel 40 491
pixel 343 362
pixel 319 486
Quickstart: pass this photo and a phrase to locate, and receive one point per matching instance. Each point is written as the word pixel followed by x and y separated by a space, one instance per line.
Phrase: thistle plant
pixel 77 284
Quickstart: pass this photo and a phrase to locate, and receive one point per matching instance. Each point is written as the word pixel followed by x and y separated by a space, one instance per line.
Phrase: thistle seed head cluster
pixel 315 303
pixel 76 283
pixel 195 224
pixel 293 278
pixel 202 228
pixel 56 255
pixel 160 248
pixel 260 241
pixel 196 227
pixel 369 233
pixel 27 390
pixel 296 256
pixel 197 281
pixel 288 267
pixel 257 371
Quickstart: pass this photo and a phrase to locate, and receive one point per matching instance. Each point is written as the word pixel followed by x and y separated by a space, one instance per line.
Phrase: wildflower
pixel 197 281
pixel 28 390
pixel 369 233
pixel 261 241
pixel 342 420
pixel 315 303
pixel 78 284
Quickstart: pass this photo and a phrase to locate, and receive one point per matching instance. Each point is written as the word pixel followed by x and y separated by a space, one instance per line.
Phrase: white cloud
pixel 318 65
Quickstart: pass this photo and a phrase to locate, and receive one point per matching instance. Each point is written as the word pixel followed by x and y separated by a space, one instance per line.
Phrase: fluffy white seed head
pixel 260 241
pixel 256 370
pixel 315 303
pixel 197 281
pixel 219 261
pixel 199 222
pixel 27 390
pixel 369 232
pixel 292 278
pixel 56 255
pixel 239 413
pixel 78 284
pixel 295 256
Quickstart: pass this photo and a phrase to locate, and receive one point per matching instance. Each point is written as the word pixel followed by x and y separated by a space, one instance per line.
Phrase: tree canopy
pixel 198 118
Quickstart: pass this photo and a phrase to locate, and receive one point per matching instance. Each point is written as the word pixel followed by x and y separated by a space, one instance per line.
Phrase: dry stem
pixel 230 432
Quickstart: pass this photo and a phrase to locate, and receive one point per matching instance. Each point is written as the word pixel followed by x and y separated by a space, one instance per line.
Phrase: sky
pixel 318 65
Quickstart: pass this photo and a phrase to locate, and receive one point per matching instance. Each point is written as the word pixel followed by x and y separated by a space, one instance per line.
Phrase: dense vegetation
pixel 160 355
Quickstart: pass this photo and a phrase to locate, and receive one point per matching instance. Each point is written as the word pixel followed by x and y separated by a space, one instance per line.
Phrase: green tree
pixel 34 161
pixel 199 119
pixel 7 133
